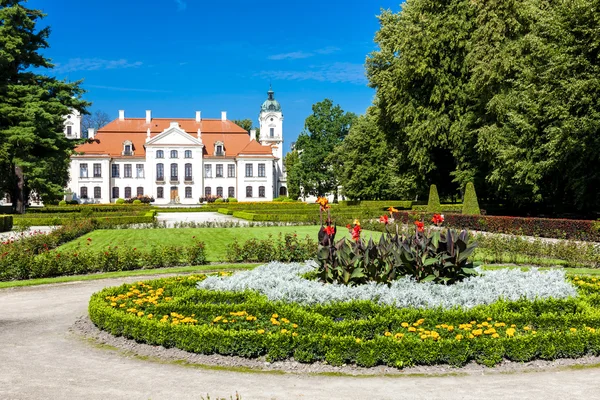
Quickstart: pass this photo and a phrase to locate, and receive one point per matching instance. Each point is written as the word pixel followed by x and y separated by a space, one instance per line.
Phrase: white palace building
pixel 179 160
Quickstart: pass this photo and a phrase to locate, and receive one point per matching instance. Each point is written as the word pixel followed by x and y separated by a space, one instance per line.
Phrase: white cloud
pixel 125 89
pixel 94 64
pixel 291 56
pixel 336 73
pixel 328 50
pixel 181 5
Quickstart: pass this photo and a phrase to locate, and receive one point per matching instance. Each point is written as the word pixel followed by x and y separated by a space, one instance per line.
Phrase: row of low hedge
pixel 399 204
pixel 18 265
pixel 101 221
pixel 6 223
pixel 82 207
pixel 586 230
pixel 445 208
pixel 364 333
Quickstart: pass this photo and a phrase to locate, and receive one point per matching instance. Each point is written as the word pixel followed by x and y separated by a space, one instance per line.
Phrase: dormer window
pixel 127 148
pixel 219 149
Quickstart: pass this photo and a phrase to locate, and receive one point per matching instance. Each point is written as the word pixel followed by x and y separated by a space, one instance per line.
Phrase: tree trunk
pixel 18 201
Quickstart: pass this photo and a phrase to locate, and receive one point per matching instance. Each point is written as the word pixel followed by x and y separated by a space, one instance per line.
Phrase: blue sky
pixel 178 56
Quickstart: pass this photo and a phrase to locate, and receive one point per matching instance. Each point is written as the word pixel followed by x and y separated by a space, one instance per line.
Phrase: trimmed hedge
pixel 471 205
pixel 84 207
pixel 398 204
pixel 586 230
pixel 102 221
pixel 445 208
pixel 225 211
pixel 433 203
pixel 6 223
pixel 364 333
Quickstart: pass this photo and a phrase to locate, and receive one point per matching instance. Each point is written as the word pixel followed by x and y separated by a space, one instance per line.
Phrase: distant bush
pixel 285 248
pixel 219 200
pixel 470 203
pixel 232 200
pixel 62 203
pixel 120 201
pixel 137 202
pixel 433 204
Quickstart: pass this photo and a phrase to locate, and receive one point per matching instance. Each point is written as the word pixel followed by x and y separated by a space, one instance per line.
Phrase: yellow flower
pixel 357 340
pixel 411 329
pixel 150 316
pixel 284 331
pixel 477 332
pixel 295 334
pixel 285 320
pixel 470 336
pixel 294 326
pixel 450 328
pixel 274 316
pixel 510 332
pixel 420 321
pixel 495 336
pixel 404 324
pixel 260 331
pixel 573 330
pixel 113 304
pixel 489 318
pixel 225 321
pixel 459 337
pixel 387 334
pixel 423 337
pixel 399 335
pixel 526 328
pixel 357 222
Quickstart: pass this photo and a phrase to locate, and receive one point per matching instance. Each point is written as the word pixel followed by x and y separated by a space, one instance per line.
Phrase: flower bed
pixel 172 312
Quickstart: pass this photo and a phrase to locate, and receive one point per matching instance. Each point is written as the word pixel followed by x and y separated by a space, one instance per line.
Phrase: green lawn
pixel 216 239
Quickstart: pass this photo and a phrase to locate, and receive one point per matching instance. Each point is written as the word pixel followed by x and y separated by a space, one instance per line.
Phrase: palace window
pixel 139 170
pixel 160 154
pixel 207 171
pixel 219 171
pixel 174 172
pixel 69 130
pixel 207 191
pixel 140 191
pixel 127 192
pixel 231 170
pixel 220 191
pixel 248 191
pixel 83 170
pixel 97 192
pixel 174 154
pixel 160 172
pixel 115 192
pixel 188 192
pixel 83 192
pixel 261 170
pixel 97 170
pixel 160 192
pixel 115 171
pixel 261 191
pixel 231 191
pixel 272 132
pixel 127 171
pixel 127 148
pixel 188 154
pixel 248 170
pixel 188 172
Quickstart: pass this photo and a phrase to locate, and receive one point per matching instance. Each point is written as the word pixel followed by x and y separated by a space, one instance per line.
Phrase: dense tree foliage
pixel 247 125
pixel 324 129
pixel 291 161
pixel 502 93
pixel 95 121
pixel 34 153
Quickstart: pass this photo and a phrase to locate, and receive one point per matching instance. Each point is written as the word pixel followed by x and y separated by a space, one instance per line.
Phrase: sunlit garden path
pixel 43 359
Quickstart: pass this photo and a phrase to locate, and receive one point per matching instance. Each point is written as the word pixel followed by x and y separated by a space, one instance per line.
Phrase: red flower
pixel 89 239
pixel 420 226
pixel 384 219
pixel 329 230
pixel 356 233
pixel 437 219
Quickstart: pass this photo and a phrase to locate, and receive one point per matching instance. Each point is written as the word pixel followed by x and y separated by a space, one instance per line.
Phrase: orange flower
pixel 384 219
pixel 392 210
pixel 420 226
pixel 437 219
pixel 356 233
pixel 323 202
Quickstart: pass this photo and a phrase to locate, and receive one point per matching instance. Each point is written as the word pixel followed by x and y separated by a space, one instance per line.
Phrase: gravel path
pixel 171 219
pixel 43 356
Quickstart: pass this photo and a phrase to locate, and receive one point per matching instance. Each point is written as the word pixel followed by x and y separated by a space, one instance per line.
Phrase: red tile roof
pixel 109 139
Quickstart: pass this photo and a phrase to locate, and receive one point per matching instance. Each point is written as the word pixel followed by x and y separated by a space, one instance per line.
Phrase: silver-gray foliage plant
pixel 281 281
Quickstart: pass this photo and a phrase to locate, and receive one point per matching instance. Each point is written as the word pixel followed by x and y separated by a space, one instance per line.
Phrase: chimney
pixel 121 115
pixel 223 115
pixel 91 133
pixel 148 116
pixel 252 134
pixel 198 116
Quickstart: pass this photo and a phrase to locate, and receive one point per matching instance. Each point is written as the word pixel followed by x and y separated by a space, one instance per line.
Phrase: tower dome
pixel 270 104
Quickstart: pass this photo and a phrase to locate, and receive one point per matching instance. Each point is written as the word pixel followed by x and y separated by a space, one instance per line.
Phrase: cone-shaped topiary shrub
pixel 433 205
pixel 470 203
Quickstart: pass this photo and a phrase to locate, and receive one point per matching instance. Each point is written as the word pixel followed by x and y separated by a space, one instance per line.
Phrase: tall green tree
pixel 247 125
pixel 34 153
pixel 369 168
pixel 291 161
pixel 324 129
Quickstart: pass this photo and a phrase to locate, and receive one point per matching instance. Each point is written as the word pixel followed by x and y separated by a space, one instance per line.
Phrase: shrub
pixel 137 202
pixel 232 200
pixel 288 200
pixel 433 204
pixel 470 203
pixel 62 203
pixel 6 223
pixel 286 248
pixel 120 201
pixel 219 200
